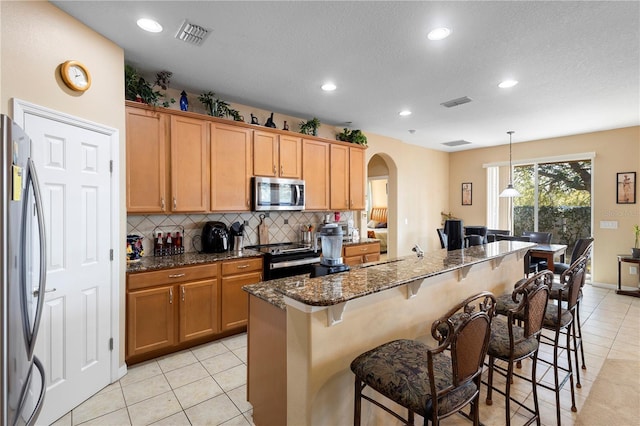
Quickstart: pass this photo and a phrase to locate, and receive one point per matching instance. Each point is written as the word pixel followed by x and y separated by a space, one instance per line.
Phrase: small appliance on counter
pixel 331 262
pixel 215 237
pixel 236 237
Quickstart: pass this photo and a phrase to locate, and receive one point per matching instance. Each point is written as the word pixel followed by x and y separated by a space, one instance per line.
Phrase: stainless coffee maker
pixel 331 262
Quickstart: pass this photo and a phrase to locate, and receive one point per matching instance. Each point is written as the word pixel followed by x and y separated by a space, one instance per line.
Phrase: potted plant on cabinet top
pixel 310 127
pixel 136 88
pixel 635 251
pixel 353 136
pixel 217 107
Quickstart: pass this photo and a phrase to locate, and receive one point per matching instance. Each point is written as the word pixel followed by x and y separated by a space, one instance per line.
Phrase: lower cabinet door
pixel 150 320
pixel 371 257
pixel 198 309
pixel 352 260
pixel 235 301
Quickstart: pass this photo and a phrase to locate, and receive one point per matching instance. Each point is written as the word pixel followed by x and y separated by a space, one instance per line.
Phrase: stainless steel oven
pixel 277 194
pixel 287 259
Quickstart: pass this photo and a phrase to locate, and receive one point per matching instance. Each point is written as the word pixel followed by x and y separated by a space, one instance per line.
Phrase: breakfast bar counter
pixel 304 332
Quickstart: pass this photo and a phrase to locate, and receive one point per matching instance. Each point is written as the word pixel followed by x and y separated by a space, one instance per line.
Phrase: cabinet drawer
pixel 361 249
pixel 171 276
pixel 241 266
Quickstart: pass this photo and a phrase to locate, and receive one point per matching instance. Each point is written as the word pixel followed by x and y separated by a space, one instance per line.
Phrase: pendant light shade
pixel 510 191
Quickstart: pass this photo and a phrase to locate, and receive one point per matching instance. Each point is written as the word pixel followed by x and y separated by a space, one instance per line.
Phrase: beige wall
pixel 36 38
pixel 616 151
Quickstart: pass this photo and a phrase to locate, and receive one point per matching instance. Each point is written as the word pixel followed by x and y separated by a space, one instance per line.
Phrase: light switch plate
pixel 608 224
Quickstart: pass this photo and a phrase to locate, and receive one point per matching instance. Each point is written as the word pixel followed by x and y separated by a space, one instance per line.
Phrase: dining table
pixel 548 252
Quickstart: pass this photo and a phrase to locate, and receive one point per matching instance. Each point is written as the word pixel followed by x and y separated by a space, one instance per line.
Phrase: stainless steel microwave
pixel 277 194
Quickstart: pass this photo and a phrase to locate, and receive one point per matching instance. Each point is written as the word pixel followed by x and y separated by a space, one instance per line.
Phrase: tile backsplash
pixel 279 231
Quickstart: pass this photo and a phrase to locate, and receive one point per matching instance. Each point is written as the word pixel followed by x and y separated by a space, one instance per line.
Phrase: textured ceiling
pixel 578 63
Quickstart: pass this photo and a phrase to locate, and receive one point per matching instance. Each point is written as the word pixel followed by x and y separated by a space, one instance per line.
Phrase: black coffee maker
pixel 215 237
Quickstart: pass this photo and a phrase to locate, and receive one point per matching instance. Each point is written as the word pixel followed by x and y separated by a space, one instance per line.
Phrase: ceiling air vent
pixel 456 102
pixel 191 33
pixel 456 143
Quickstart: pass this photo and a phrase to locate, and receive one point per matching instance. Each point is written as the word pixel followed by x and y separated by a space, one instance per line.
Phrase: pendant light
pixel 510 191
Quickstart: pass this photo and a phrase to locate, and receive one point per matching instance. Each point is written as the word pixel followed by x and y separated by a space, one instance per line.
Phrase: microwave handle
pixel 297 200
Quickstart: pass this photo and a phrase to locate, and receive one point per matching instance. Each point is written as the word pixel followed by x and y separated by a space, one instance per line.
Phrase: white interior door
pixel 73 165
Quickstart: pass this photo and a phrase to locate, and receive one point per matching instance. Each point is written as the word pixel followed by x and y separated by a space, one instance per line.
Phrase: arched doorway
pixel 382 193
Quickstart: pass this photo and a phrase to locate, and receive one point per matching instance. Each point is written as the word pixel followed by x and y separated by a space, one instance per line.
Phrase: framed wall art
pixel 467 193
pixel 626 188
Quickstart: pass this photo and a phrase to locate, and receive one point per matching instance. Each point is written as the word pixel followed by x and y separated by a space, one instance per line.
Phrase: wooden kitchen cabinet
pixel 231 166
pixel 355 254
pixel 147 161
pixel 170 308
pixel 235 302
pixel 339 177
pixel 189 164
pixel 277 155
pixel 357 179
pixel 315 172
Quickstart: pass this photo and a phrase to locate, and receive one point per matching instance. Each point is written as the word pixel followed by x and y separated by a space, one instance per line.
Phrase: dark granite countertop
pixel 377 276
pixel 151 263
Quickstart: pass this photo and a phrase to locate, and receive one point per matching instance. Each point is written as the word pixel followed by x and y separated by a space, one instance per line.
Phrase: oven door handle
pixel 290 263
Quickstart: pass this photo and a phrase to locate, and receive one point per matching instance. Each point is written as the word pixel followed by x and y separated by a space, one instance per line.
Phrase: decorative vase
pixel 184 102
pixel 635 253
pixel 286 126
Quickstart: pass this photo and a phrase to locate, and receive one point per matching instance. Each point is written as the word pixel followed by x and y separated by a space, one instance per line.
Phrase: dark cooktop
pixel 280 248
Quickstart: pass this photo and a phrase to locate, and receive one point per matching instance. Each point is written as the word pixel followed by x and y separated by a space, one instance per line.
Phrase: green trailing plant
pixel 136 88
pixel 310 127
pixel 353 136
pixel 217 107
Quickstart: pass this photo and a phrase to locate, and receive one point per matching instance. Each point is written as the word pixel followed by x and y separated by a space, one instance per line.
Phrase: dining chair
pixel 443 237
pixel 433 383
pixel 537 263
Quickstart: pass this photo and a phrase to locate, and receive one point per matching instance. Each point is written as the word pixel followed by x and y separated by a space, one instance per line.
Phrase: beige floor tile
pixel 208 350
pixel 139 372
pixel 154 409
pixel 178 419
pixel 145 389
pixel 177 360
pixel 219 363
pixel 63 421
pixel 239 398
pixel 116 418
pixel 213 411
pixel 237 421
pixel 235 342
pixel 232 378
pixel 185 375
pixel 197 392
pixel 249 417
pixel 241 354
pixel 98 405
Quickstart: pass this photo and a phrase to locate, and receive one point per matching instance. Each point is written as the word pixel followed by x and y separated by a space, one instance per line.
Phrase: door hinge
pixel 111 344
pixel 111 254
pixel 110 166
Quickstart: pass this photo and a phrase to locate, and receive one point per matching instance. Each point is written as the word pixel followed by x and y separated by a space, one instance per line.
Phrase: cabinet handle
pixel 177 275
pixel 351 205
pixel 162 203
pixel 170 295
pixel 281 170
pixel 243 266
pixel 175 204
pixel 182 293
pixel 363 249
pixel 274 169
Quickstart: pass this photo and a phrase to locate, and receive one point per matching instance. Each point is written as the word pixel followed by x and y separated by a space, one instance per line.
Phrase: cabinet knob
pixel 175 204
pixel 162 203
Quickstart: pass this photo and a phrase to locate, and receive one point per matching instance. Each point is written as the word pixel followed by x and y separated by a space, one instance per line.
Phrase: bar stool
pixel 518 337
pixel 561 320
pixel 433 383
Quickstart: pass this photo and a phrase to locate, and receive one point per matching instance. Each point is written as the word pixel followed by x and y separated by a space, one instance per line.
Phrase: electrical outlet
pixel 633 270
pixel 608 224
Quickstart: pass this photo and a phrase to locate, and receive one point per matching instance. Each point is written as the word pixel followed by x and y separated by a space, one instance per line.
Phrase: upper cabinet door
pixel 290 156
pixel 315 172
pixel 356 179
pixel 230 167
pixel 189 165
pixel 147 159
pixel 339 177
pixel 265 154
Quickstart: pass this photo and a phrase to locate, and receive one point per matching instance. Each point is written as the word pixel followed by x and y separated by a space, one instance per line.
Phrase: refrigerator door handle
pixel 38 407
pixel 32 179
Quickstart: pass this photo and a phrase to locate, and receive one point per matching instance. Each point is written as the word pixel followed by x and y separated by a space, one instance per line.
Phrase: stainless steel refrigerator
pixel 23 279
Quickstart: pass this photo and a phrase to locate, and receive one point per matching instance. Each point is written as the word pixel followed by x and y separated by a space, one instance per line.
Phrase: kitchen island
pixel 304 332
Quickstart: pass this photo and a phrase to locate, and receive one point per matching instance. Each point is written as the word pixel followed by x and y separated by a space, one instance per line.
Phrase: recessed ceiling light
pixel 404 113
pixel 439 34
pixel 507 83
pixel 328 87
pixel 149 25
